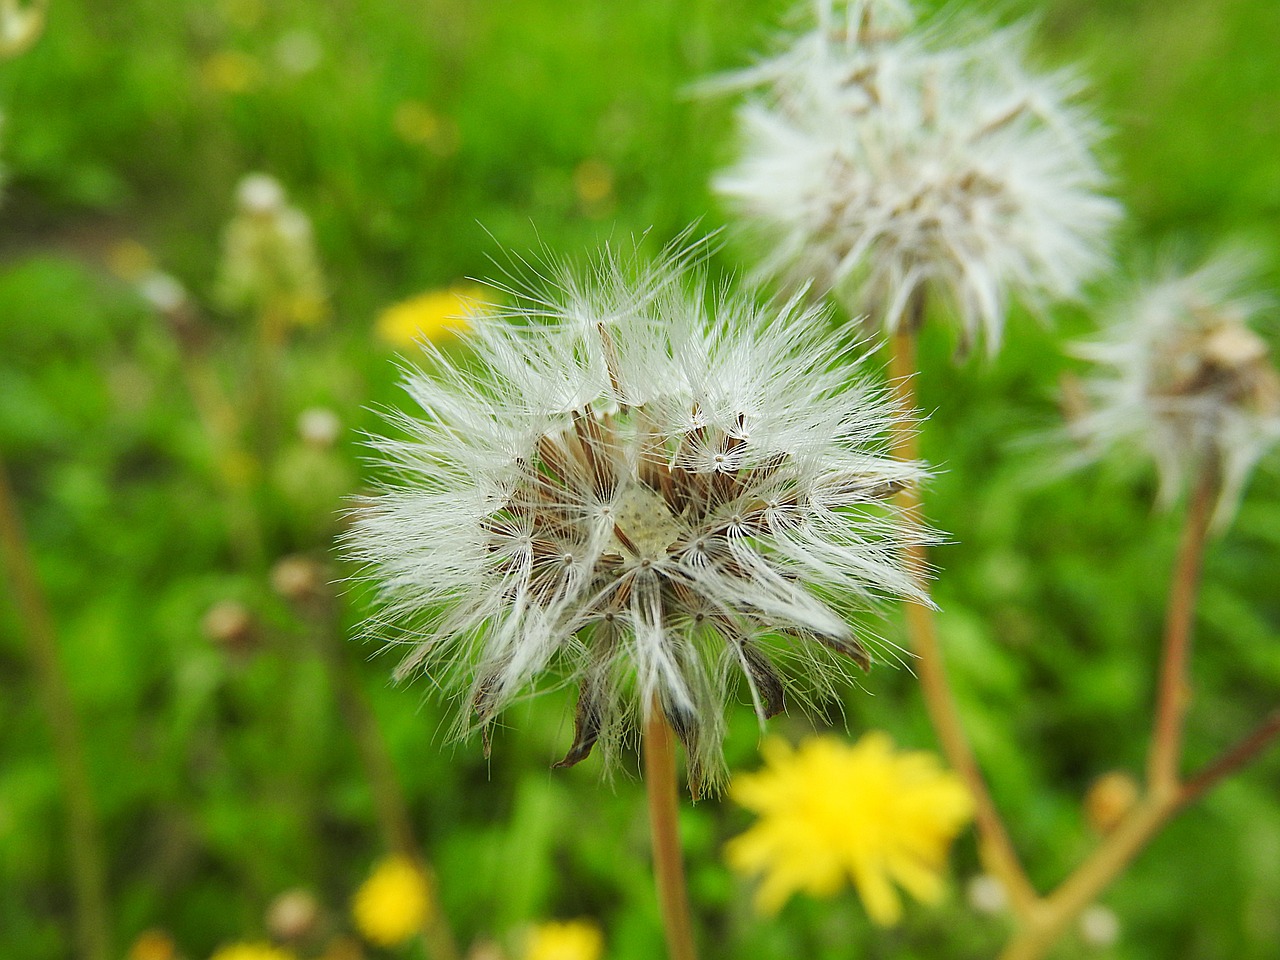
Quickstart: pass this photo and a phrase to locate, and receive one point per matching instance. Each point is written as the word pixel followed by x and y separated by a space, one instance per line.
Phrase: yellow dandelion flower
pixel 393 904
pixel 429 316
pixel 829 811
pixel 252 951
pixel 568 940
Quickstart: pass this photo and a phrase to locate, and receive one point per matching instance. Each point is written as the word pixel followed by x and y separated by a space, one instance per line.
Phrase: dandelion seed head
pixel 645 490
pixel 1181 374
pixel 882 163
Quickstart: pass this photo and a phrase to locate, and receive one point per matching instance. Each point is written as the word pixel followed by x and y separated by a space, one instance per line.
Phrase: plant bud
pixel 229 624
pixel 293 915
pixel 1109 799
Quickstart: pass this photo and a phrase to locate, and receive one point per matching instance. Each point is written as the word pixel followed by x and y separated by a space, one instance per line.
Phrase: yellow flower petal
pixel 830 812
pixel 437 315
pixel 569 940
pixel 393 904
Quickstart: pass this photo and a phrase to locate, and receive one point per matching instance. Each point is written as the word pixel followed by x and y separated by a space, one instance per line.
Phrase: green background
pixel 222 780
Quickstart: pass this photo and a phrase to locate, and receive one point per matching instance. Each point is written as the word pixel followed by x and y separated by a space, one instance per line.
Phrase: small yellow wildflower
pixel 429 316
pixel 393 904
pixel 252 951
pixel 830 810
pixel 569 940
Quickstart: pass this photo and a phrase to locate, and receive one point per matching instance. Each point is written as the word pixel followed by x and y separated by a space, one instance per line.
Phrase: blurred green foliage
pixel 423 139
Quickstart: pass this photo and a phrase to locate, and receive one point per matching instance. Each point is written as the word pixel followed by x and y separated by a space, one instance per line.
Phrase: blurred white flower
pixel 885 164
pixel 20 25
pixel 1183 377
pixel 269 261
pixel 642 494
pixel 1099 926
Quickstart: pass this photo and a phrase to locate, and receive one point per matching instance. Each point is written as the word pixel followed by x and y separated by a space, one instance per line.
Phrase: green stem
pixel 83 832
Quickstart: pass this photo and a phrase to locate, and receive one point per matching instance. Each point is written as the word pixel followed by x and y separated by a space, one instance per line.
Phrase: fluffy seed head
pixel 883 163
pixel 1182 375
pixel 643 490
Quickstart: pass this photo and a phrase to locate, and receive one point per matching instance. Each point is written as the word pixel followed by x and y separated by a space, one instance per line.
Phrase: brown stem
pixel 1173 692
pixel 1244 751
pixel 996 847
pixel 87 864
pixel 668 864
pixel 1110 858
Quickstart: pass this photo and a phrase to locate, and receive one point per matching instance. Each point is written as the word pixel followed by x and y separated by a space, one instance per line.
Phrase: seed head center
pixel 645 520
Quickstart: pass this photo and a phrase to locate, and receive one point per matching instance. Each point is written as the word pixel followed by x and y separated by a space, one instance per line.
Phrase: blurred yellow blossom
pixel 393 904
pixel 829 810
pixel 152 945
pixel 252 951
pixel 568 940
pixel 230 71
pixel 430 316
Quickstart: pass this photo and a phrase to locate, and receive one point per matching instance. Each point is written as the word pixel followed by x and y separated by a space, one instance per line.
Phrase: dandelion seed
pixel 645 495
pixel 393 904
pixel 1182 375
pixel 566 940
pixel 831 813
pixel 883 163
pixel 438 315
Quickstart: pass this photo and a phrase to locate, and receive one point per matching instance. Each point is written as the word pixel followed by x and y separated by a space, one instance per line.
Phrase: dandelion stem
pixel 87 865
pixel 1110 858
pixel 668 864
pixel 1173 694
pixel 997 849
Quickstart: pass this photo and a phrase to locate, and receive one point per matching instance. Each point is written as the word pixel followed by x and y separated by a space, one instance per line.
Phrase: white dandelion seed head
pixel 645 491
pixel 1182 375
pixel 913 163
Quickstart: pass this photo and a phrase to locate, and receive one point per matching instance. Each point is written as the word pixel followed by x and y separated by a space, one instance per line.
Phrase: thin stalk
pixel 1173 695
pixel 997 849
pixel 668 863
pixel 83 831
pixel 1114 854
pixel 390 803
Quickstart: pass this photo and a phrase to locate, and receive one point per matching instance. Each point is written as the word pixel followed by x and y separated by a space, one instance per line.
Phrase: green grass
pixel 223 780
